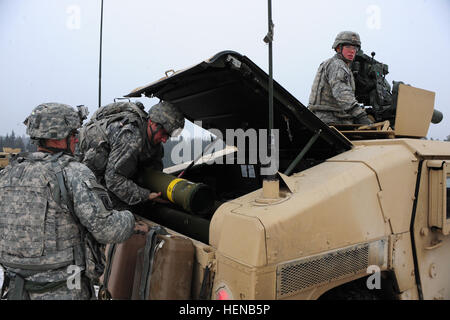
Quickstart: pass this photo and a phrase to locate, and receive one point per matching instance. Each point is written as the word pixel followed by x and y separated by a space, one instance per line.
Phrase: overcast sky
pixel 49 49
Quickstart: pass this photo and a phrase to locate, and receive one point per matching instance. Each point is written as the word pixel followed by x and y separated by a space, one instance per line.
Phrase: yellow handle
pixel 171 187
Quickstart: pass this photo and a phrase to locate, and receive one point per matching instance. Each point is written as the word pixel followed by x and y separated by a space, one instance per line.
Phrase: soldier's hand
pixel 157 198
pixel 154 195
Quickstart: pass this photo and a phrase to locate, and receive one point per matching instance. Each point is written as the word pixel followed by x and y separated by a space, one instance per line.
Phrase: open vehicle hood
pixel 229 91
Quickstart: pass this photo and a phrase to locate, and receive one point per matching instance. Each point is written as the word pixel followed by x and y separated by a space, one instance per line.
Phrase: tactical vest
pixel 37 230
pixel 93 140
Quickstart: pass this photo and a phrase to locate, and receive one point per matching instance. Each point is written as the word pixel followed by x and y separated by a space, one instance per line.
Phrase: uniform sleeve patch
pixel 106 201
pixel 101 192
pixel 346 78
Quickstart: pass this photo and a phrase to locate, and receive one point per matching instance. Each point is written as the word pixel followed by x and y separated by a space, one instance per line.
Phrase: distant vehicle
pixel 364 214
pixel 6 155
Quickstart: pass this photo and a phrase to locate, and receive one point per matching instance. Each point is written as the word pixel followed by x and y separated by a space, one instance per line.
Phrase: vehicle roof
pixel 423 148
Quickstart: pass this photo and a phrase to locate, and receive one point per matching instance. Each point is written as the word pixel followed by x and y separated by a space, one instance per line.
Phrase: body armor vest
pixel 37 230
pixel 93 140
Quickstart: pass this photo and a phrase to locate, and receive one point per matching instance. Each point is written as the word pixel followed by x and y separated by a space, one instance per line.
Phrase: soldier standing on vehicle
pixel 54 214
pixel 121 139
pixel 332 97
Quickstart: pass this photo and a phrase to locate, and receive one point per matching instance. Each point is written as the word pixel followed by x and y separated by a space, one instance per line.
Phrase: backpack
pixel 93 140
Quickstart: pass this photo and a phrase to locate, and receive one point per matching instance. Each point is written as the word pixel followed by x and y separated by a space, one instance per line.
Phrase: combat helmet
pixel 347 37
pixel 168 116
pixel 53 121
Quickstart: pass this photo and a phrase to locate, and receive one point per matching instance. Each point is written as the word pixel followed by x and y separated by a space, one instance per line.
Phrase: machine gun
pixel 372 89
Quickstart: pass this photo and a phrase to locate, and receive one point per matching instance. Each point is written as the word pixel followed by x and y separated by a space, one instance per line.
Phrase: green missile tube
pixel 195 198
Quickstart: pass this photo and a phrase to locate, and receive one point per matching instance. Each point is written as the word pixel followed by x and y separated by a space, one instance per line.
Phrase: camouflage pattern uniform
pixel 115 146
pixel 39 237
pixel 332 97
pixel 130 150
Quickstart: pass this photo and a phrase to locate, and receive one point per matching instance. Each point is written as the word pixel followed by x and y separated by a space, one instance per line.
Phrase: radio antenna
pixel 270 183
pixel 100 58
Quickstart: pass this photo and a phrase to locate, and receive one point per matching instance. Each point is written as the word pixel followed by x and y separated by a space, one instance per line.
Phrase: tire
pixel 357 290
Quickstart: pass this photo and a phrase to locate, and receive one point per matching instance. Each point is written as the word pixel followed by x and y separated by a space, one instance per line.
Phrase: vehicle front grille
pixel 305 273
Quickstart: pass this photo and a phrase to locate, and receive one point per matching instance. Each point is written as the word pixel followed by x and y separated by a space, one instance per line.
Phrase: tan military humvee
pixel 3 160
pixel 365 214
pixel 6 155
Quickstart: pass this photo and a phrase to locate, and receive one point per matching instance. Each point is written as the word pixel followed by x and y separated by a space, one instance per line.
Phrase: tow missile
pixel 195 198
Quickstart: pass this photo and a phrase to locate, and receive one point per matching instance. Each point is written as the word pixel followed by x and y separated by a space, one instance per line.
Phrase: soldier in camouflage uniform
pixel 54 214
pixel 332 97
pixel 121 139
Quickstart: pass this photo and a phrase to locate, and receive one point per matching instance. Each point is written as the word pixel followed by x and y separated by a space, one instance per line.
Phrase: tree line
pixel 14 141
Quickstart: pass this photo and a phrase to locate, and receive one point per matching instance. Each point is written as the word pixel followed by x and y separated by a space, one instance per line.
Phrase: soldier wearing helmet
pixel 165 118
pixel 54 215
pixel 332 97
pixel 121 139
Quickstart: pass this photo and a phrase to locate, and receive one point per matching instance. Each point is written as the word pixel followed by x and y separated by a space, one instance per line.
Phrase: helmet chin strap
pixel 68 150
